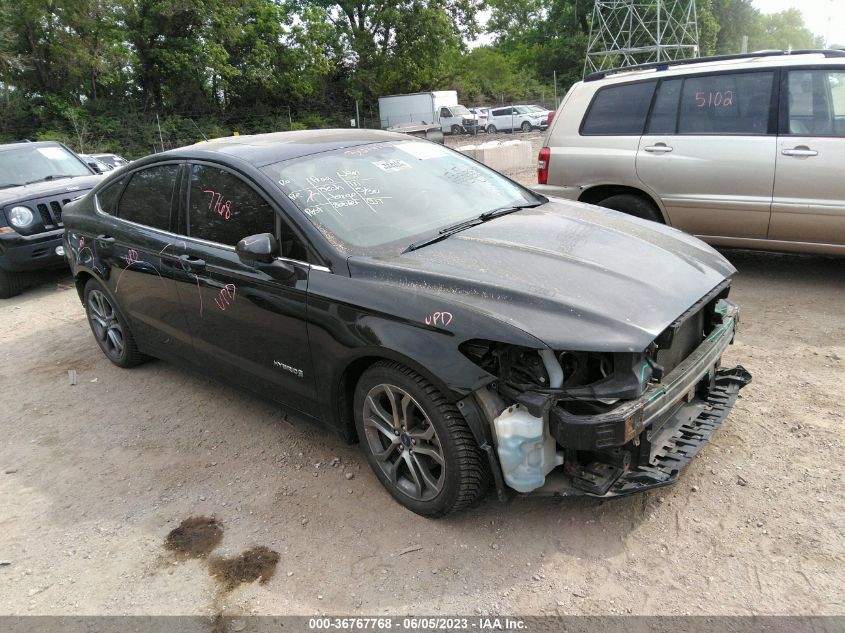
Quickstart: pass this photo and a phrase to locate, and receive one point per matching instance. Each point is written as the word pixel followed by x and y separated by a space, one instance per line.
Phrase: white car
pixel 517 117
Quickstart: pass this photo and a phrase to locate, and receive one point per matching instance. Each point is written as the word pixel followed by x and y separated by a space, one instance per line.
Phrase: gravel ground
pixel 95 476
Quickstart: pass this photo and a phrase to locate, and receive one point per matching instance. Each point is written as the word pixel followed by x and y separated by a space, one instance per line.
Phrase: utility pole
pixel 161 140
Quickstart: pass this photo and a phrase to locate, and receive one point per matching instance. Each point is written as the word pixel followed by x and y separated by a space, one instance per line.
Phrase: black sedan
pixel 463 329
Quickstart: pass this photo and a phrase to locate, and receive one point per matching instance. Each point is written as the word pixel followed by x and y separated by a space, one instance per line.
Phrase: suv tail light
pixel 543 166
pixel 550 117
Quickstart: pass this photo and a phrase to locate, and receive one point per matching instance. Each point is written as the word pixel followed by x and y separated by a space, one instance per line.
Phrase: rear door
pixel 248 325
pixel 809 195
pixel 140 210
pixel 708 152
pixel 501 118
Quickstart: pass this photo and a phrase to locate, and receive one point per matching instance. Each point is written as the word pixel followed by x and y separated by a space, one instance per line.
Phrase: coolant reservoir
pixel 526 449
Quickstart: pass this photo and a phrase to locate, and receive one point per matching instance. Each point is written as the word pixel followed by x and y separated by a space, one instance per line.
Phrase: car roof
pixel 748 61
pixel 11 146
pixel 264 149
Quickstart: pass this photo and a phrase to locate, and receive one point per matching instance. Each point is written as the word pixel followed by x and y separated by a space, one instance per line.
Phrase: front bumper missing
pixel 666 426
pixel 673 446
pixel 622 424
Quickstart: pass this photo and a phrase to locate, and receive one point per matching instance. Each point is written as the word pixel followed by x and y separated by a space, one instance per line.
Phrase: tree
pixel 784 30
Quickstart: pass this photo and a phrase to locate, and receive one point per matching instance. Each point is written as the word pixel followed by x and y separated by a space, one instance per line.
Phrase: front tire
pixel 11 284
pixel 632 204
pixel 491 129
pixel 456 129
pixel 417 443
pixel 110 329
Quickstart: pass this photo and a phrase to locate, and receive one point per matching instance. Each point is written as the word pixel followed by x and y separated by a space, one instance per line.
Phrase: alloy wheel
pixel 105 324
pixel 404 442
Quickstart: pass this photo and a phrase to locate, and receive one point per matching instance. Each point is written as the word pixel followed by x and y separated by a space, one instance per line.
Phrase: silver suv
pixel 739 150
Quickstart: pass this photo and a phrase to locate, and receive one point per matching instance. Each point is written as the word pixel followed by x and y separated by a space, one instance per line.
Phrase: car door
pixel 138 212
pixel 708 152
pixel 809 194
pixel 247 321
pixel 446 119
pixel 501 118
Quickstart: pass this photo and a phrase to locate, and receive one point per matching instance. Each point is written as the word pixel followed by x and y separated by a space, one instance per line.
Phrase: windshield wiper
pixel 442 234
pixel 511 208
pixel 51 177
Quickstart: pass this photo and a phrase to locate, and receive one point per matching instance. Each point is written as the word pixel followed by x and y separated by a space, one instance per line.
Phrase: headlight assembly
pixel 20 217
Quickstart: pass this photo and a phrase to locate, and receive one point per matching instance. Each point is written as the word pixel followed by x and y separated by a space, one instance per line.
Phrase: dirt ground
pixel 95 477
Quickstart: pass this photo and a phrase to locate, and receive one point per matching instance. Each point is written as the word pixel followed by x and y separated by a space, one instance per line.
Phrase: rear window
pixel 107 197
pixel 148 196
pixel 619 110
pixel 737 103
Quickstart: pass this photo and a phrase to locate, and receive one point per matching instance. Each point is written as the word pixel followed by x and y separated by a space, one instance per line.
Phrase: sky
pixel 822 17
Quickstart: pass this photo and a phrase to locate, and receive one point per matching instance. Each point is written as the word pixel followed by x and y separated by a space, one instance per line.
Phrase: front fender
pixel 354 319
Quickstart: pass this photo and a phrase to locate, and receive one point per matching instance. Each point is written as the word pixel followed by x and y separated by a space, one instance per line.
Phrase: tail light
pixel 543 166
pixel 550 117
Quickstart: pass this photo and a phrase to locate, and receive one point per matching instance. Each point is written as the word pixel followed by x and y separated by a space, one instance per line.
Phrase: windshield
pixel 522 109
pixel 28 164
pixel 459 110
pixel 376 199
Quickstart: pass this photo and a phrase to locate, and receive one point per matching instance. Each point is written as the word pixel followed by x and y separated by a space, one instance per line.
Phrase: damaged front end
pixel 606 424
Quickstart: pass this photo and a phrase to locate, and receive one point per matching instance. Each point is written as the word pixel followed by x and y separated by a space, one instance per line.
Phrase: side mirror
pixel 261 248
pixel 95 167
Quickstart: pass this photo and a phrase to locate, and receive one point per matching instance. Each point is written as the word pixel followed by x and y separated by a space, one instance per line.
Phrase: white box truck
pixel 427 107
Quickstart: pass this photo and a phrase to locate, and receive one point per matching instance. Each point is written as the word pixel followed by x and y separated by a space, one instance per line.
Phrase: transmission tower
pixel 628 32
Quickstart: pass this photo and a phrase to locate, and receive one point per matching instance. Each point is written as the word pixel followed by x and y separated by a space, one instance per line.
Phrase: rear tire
pixel 491 129
pixel 417 442
pixel 632 204
pixel 111 331
pixel 11 284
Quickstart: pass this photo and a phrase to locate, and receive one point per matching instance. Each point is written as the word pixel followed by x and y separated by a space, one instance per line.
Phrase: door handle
pixel 105 243
pixel 800 151
pixel 191 263
pixel 660 148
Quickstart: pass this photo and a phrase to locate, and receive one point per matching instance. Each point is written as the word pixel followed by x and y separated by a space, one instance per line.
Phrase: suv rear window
pixel 619 110
pixel 737 103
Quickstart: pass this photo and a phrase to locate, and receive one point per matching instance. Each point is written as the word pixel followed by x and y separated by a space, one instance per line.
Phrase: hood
pixel 575 276
pixel 73 186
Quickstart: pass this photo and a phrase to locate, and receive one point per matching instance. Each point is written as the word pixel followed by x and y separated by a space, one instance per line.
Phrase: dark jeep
pixel 36 181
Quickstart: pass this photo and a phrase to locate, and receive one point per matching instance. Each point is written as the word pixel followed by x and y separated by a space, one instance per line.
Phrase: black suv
pixel 36 181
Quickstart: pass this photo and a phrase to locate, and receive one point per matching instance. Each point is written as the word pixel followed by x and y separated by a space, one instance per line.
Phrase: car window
pixel 444 112
pixel 664 112
pixel 148 196
pixel 108 196
pixel 726 104
pixel 619 110
pixel 816 104
pixel 501 112
pixel 225 209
